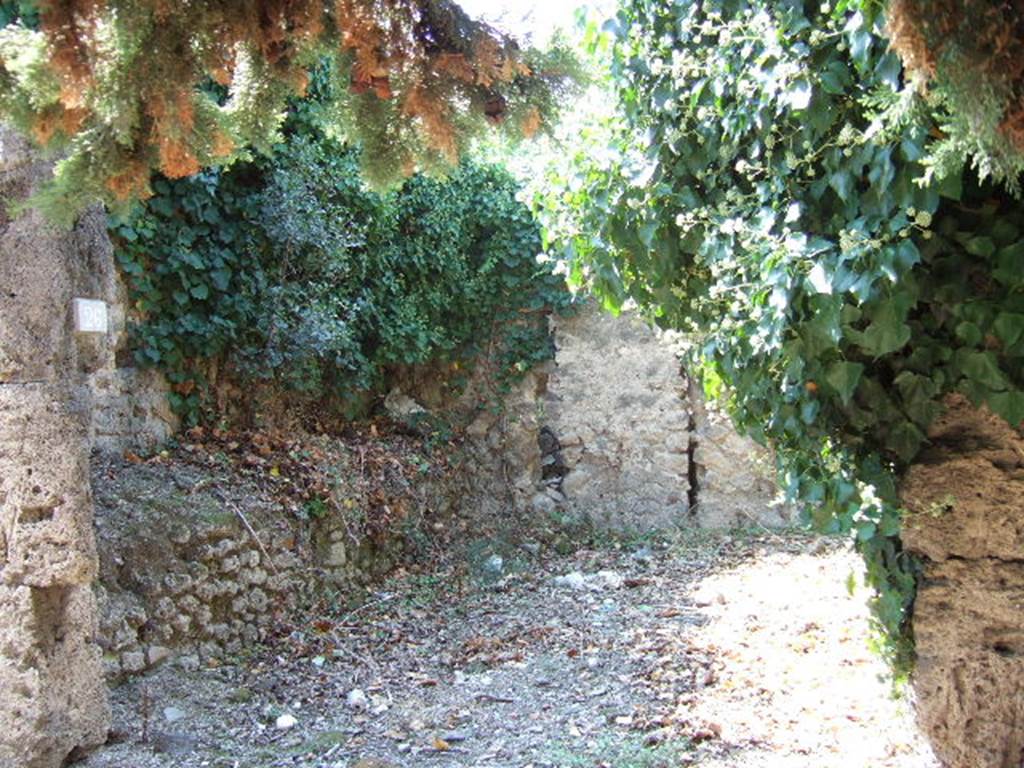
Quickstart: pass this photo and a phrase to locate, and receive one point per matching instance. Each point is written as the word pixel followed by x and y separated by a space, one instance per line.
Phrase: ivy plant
pixel 289 269
pixel 763 189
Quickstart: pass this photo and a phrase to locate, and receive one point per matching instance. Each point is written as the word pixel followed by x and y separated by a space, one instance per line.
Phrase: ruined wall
pixel 966 502
pixel 129 407
pixel 197 562
pixel 52 698
pixel 629 442
pixel 502 457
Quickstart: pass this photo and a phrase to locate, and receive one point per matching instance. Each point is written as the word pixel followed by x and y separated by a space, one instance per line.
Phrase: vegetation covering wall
pixel 773 187
pixel 290 270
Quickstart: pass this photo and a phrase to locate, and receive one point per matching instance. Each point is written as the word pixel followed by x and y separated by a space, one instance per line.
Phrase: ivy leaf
pixel 980 246
pixel 865 530
pixel 819 279
pixel 1009 405
pixel 1008 327
pixel 918 394
pixel 221 279
pixel 905 440
pixel 969 333
pixel 835 78
pixel 798 97
pixel 981 368
pixel 886 333
pixel 843 377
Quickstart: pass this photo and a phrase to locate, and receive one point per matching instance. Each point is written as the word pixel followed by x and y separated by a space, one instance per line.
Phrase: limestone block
pixel 965 518
pixel 336 555
pixel 157 655
pixel 52 697
pixel 45 500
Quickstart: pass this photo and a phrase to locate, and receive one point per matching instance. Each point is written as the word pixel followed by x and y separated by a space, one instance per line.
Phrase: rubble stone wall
pixel 129 408
pixel 630 443
pixel 194 567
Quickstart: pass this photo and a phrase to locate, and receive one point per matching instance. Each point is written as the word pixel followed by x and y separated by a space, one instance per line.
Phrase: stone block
pixel 52 696
pixel 45 500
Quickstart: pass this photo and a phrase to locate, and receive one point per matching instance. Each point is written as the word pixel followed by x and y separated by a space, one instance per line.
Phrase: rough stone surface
pixel 636 446
pixel 502 453
pixel 42 269
pixel 52 700
pixel 130 410
pixel 966 504
pixel 46 537
pixel 196 563
pixel 735 477
pixel 617 404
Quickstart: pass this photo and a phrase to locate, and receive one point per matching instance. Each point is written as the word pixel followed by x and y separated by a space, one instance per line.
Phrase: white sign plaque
pixel 90 315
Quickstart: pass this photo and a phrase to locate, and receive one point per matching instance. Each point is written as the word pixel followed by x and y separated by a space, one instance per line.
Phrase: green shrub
pixel 291 270
pixel 765 191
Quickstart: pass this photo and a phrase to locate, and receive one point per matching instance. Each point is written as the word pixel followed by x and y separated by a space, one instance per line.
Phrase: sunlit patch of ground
pixel 796 683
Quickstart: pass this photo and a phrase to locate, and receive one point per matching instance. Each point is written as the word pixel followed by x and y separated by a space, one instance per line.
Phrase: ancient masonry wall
pixel 193 568
pixel 52 699
pixel 629 443
pixel 129 409
pixel 965 498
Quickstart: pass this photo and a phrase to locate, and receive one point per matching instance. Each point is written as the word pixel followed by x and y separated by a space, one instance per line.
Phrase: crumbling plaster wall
pixel 52 697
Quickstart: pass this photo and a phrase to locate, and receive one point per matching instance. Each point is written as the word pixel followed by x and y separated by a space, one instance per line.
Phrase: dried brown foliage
pixel 427 55
pixel 968 42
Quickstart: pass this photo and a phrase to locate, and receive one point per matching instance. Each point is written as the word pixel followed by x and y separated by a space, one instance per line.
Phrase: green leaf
pixel 843 377
pixel 980 246
pixel 1009 405
pixel 905 440
pixel 798 96
pixel 982 368
pixel 865 530
pixel 1009 326
pixel 886 333
pixel 969 333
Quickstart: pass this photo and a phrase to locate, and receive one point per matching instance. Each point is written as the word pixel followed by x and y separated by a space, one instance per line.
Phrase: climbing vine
pixel 767 189
pixel 290 269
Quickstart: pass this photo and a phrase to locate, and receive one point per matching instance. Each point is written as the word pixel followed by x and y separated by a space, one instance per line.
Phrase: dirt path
pixel 738 652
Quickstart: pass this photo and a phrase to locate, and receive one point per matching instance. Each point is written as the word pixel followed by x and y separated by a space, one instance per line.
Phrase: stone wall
pixel 965 497
pixel 129 408
pixel 629 442
pixel 502 457
pixel 197 562
pixel 52 699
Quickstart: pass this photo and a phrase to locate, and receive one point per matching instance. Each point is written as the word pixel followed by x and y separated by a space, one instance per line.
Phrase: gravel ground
pixel 734 651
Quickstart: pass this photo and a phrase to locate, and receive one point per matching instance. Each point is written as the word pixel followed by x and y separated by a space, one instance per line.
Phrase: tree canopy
pixel 122 87
pixel 967 58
